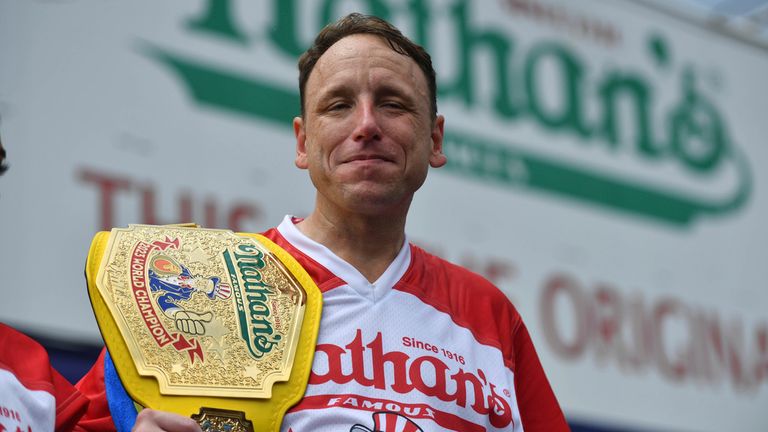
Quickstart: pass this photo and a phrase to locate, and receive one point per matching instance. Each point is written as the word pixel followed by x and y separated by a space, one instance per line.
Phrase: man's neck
pixel 368 243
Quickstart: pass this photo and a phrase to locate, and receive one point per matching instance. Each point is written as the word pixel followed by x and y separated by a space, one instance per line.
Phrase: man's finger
pixel 150 420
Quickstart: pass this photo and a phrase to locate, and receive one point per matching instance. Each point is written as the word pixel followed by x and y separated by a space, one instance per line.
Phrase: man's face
pixel 367 136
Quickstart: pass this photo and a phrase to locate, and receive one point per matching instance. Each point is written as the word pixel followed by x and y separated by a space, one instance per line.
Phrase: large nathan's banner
pixel 607 170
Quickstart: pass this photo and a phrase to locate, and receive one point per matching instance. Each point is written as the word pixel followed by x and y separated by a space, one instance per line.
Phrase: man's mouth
pixel 368 158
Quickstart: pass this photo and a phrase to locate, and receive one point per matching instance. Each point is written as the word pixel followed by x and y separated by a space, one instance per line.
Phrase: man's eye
pixel 338 106
pixel 392 105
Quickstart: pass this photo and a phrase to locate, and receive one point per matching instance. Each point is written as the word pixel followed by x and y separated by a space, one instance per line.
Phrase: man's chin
pixel 376 198
pixel 369 171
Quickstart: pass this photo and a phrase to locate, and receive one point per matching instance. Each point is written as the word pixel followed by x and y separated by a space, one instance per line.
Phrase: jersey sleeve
pixel 28 377
pixel 470 300
pixel 539 409
pixel 97 417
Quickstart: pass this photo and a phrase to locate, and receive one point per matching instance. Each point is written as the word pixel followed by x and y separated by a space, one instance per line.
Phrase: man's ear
pixel 301 143
pixel 437 158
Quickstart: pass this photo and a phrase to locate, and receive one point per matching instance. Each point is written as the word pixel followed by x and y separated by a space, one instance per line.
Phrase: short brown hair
pixel 356 23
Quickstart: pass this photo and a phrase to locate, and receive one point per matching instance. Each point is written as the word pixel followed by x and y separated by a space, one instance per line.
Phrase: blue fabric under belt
pixel 121 406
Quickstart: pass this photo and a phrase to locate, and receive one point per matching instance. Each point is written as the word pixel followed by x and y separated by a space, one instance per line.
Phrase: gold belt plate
pixel 205 318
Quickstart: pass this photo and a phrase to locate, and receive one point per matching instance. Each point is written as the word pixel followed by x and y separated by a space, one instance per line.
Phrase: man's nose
pixel 367 127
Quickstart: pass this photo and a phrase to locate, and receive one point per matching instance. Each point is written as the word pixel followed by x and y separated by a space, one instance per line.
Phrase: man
pixel 407 341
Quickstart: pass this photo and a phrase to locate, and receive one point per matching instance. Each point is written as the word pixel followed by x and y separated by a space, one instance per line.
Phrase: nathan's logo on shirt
pixel 425 374
pixel 254 313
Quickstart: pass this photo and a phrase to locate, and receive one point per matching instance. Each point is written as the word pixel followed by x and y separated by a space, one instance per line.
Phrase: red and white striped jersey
pixel 33 395
pixel 429 346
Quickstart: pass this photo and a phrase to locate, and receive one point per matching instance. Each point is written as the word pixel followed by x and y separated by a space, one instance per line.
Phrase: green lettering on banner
pixel 571 70
pixel 284 33
pixel 694 134
pixel 617 87
pixel 217 21
pixel 496 162
pixel 223 89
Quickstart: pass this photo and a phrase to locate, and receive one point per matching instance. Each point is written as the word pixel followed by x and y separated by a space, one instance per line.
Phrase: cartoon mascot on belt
pixel 176 285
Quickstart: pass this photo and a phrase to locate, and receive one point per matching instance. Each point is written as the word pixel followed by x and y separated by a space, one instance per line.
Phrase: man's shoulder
pixel 26 358
pixel 456 289
pixel 440 271
pixel 270 233
pixel 469 299
pixel 32 388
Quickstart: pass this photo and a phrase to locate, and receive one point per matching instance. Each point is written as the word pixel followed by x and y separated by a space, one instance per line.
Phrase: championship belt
pixel 206 323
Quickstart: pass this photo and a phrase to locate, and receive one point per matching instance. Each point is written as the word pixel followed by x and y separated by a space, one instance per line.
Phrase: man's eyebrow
pixel 405 95
pixel 393 89
pixel 335 90
pixel 383 90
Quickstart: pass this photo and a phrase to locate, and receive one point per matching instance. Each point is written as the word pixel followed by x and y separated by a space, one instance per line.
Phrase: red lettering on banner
pixel 761 365
pixel 113 189
pixel 674 368
pixel 408 375
pixel 498 270
pixel 561 287
pixel 680 341
pixel 241 213
pixel 107 185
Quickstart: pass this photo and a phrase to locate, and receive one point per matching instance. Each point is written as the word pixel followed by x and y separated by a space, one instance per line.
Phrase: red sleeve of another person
pixel 97 418
pixel 28 370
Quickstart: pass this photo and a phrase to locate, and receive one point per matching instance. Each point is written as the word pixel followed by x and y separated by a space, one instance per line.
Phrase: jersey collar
pixel 345 271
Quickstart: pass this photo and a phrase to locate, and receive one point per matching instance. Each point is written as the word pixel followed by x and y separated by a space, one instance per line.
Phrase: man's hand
pixel 150 420
pixel 192 322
